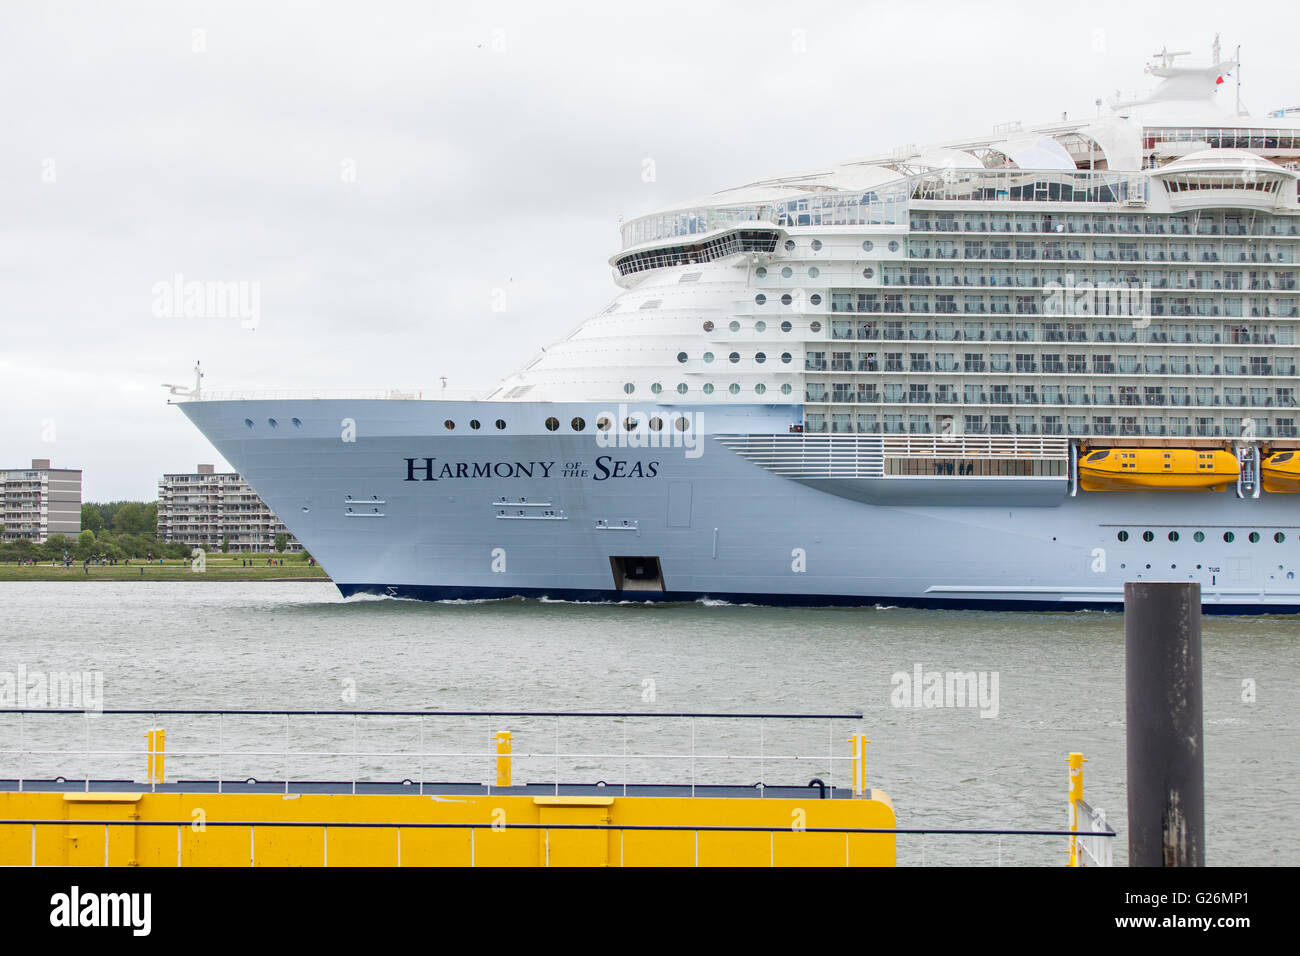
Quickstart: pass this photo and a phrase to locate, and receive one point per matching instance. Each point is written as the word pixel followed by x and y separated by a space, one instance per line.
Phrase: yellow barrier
pixel 492 835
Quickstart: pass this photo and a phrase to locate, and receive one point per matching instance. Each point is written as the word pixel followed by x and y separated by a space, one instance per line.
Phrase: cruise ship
pixel 1014 370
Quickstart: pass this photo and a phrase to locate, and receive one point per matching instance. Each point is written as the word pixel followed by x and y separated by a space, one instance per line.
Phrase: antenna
pixel 1237 70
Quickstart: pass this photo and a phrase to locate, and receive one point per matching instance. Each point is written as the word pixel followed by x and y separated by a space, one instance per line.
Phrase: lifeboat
pixel 1281 472
pixel 1157 469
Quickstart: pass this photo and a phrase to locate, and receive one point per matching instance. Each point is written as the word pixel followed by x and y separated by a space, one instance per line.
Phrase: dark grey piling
pixel 1166 757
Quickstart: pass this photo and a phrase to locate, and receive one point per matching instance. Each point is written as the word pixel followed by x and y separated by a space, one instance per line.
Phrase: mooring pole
pixel 1166 759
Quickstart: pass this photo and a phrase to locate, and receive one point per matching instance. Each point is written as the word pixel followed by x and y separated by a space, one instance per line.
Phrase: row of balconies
pixel 1098 255
pixel 1146 336
pixel 1049 226
pixel 1050 399
pixel 1180 284
pixel 1098 367
pixel 873 427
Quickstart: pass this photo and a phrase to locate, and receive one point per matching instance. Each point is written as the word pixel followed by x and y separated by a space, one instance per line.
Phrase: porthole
pixel 629 387
pixel 602 424
pixel 708 388
pixel 552 424
pixel 577 424
pixel 786 326
pixel 681 388
pixel 789 245
pixel 815 298
pixel 813 272
pixel 761 272
pixel 1198 537
pixel 297 422
pixel 1148 536
pixel 708 357
pixel 682 357
pixel 786 389
pixel 868 273
pixel 656 388
pixel 816 245
pixel 786 358
pixel 682 423
pixel 1173 535
pixel 1123 536
pixel 708 325
pixel 1229 537
pixel 734 388
pixel 760 357
pixel 787 273
pixel 273 423
pixel 760 326
pixel 760 389
pixel 1279 537
pixel 734 325
pixel 449 424
pixel 893 245
pixel 760 299
pixel 501 424
pixel 733 358
pixel 248 423
pixel 656 424
pixel 475 424
pixel 867 245
pixel 815 326
pixel 787 299
pixel 1254 537
pixel 629 424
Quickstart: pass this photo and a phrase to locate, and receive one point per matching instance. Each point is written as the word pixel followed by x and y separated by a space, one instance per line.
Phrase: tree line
pixel 114 531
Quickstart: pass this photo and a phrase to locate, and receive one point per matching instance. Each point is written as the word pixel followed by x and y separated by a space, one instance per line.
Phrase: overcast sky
pixel 379 168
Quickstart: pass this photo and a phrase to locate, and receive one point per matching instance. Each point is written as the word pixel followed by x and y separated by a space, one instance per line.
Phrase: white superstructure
pixel 1132 274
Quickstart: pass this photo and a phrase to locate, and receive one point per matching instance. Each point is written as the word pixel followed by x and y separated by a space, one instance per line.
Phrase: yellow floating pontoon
pixel 1157 469
pixel 1282 472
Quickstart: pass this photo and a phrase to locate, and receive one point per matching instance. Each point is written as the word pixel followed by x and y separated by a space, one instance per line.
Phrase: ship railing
pixel 489 829
pixel 559 746
pixel 416 394
pixel 1094 844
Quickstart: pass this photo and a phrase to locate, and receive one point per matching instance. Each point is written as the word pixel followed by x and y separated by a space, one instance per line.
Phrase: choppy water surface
pixel 1060 683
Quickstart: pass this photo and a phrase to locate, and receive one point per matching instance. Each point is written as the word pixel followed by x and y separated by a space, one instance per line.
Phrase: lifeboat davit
pixel 1281 472
pixel 1158 469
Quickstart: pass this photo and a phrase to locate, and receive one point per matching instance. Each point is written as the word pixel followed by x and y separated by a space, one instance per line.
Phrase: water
pixel 299 646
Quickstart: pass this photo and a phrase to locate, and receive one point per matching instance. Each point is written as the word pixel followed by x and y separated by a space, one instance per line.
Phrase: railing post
pixel 859 742
pixel 503 758
pixel 1075 762
pixel 1166 763
pixel 155 740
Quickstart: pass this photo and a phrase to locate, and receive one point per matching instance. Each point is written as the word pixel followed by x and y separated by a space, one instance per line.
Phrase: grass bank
pixel 216 567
